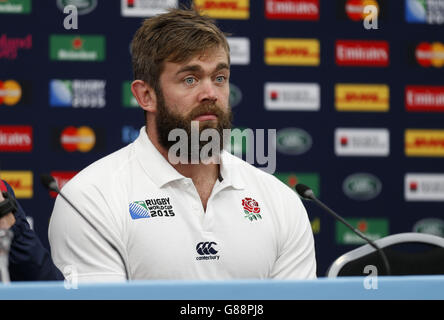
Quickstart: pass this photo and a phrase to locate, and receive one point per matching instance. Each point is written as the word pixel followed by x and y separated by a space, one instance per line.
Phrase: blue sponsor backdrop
pixel 118 125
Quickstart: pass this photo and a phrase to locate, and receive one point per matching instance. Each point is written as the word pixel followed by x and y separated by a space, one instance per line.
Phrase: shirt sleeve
pixel 296 259
pixel 28 259
pixel 78 250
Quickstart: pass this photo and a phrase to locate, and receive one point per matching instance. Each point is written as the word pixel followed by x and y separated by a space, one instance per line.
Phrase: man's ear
pixel 145 95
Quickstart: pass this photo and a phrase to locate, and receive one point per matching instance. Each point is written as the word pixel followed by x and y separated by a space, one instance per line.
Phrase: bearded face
pixel 167 120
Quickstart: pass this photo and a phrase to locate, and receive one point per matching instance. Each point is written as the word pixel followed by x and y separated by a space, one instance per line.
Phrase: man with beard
pixel 220 219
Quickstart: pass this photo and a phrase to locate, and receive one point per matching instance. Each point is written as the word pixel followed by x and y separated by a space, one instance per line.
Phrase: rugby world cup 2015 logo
pixel 138 210
pixel 251 209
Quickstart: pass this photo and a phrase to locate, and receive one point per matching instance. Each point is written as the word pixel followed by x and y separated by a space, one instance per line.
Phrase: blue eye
pixel 220 79
pixel 189 81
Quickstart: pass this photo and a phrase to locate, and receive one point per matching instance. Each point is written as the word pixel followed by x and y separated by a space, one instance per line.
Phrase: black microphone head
pixel 49 182
pixel 304 191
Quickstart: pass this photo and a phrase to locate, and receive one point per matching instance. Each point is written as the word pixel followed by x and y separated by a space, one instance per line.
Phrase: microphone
pixel 49 182
pixel 308 194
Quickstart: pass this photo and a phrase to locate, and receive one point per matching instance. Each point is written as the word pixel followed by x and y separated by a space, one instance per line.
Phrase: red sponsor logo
pixel 227 5
pixel 424 98
pixel 362 53
pixel 361 97
pixel 9 46
pixel 61 177
pixel 292 9
pixel 298 52
pixel 15 138
pixel 430 54
pixel 355 8
pixel 427 142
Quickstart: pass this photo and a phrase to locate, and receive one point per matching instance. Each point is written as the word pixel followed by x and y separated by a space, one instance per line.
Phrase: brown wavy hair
pixel 175 36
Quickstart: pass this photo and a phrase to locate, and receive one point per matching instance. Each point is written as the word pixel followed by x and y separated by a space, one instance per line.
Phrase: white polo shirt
pixel 254 226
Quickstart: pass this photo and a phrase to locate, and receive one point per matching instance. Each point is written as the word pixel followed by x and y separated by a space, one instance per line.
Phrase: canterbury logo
pixel 205 248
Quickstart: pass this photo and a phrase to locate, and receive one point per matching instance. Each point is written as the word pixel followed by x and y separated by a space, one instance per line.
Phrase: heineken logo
pixel 83 6
pixel 291 179
pixel 77 48
pixel 15 6
pixel 293 141
pixel 129 100
pixel 373 228
pixel 77 43
pixel 362 186
pixel 251 209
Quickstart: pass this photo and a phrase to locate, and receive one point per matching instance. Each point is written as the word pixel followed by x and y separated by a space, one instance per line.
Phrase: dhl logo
pixel 302 52
pixel 362 97
pixel 20 181
pixel 224 9
pixel 429 143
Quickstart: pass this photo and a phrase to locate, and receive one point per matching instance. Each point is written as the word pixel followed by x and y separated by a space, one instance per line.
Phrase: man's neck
pixel 199 172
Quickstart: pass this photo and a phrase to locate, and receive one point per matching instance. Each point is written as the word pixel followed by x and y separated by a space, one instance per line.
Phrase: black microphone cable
pixel 306 193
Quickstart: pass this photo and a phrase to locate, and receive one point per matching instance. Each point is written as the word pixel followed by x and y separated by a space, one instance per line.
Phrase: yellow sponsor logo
pixel 362 97
pixel 10 92
pixel 292 52
pixel 315 225
pixel 224 9
pixel 429 143
pixel 20 181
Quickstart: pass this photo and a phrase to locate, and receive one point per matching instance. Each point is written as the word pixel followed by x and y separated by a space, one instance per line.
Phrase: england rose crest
pixel 251 209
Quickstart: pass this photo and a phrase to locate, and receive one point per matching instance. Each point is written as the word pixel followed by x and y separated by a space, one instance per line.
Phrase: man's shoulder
pixel 104 170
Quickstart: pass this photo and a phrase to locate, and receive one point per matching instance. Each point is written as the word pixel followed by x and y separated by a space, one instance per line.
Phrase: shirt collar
pixel 162 172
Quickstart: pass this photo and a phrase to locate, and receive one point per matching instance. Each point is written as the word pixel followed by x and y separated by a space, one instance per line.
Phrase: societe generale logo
pixel 424 143
pixel 424 98
pixel 362 53
pixel 82 139
pixel 362 142
pixel 224 9
pixel 362 97
pixel 424 187
pixel 16 139
pixel 296 52
pixel 292 9
pixel 286 96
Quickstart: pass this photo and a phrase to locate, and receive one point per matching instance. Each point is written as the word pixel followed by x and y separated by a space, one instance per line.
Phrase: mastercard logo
pixel 430 54
pixel 355 8
pixel 10 92
pixel 81 139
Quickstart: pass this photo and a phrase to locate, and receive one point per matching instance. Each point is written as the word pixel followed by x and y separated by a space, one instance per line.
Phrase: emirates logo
pixel 251 209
